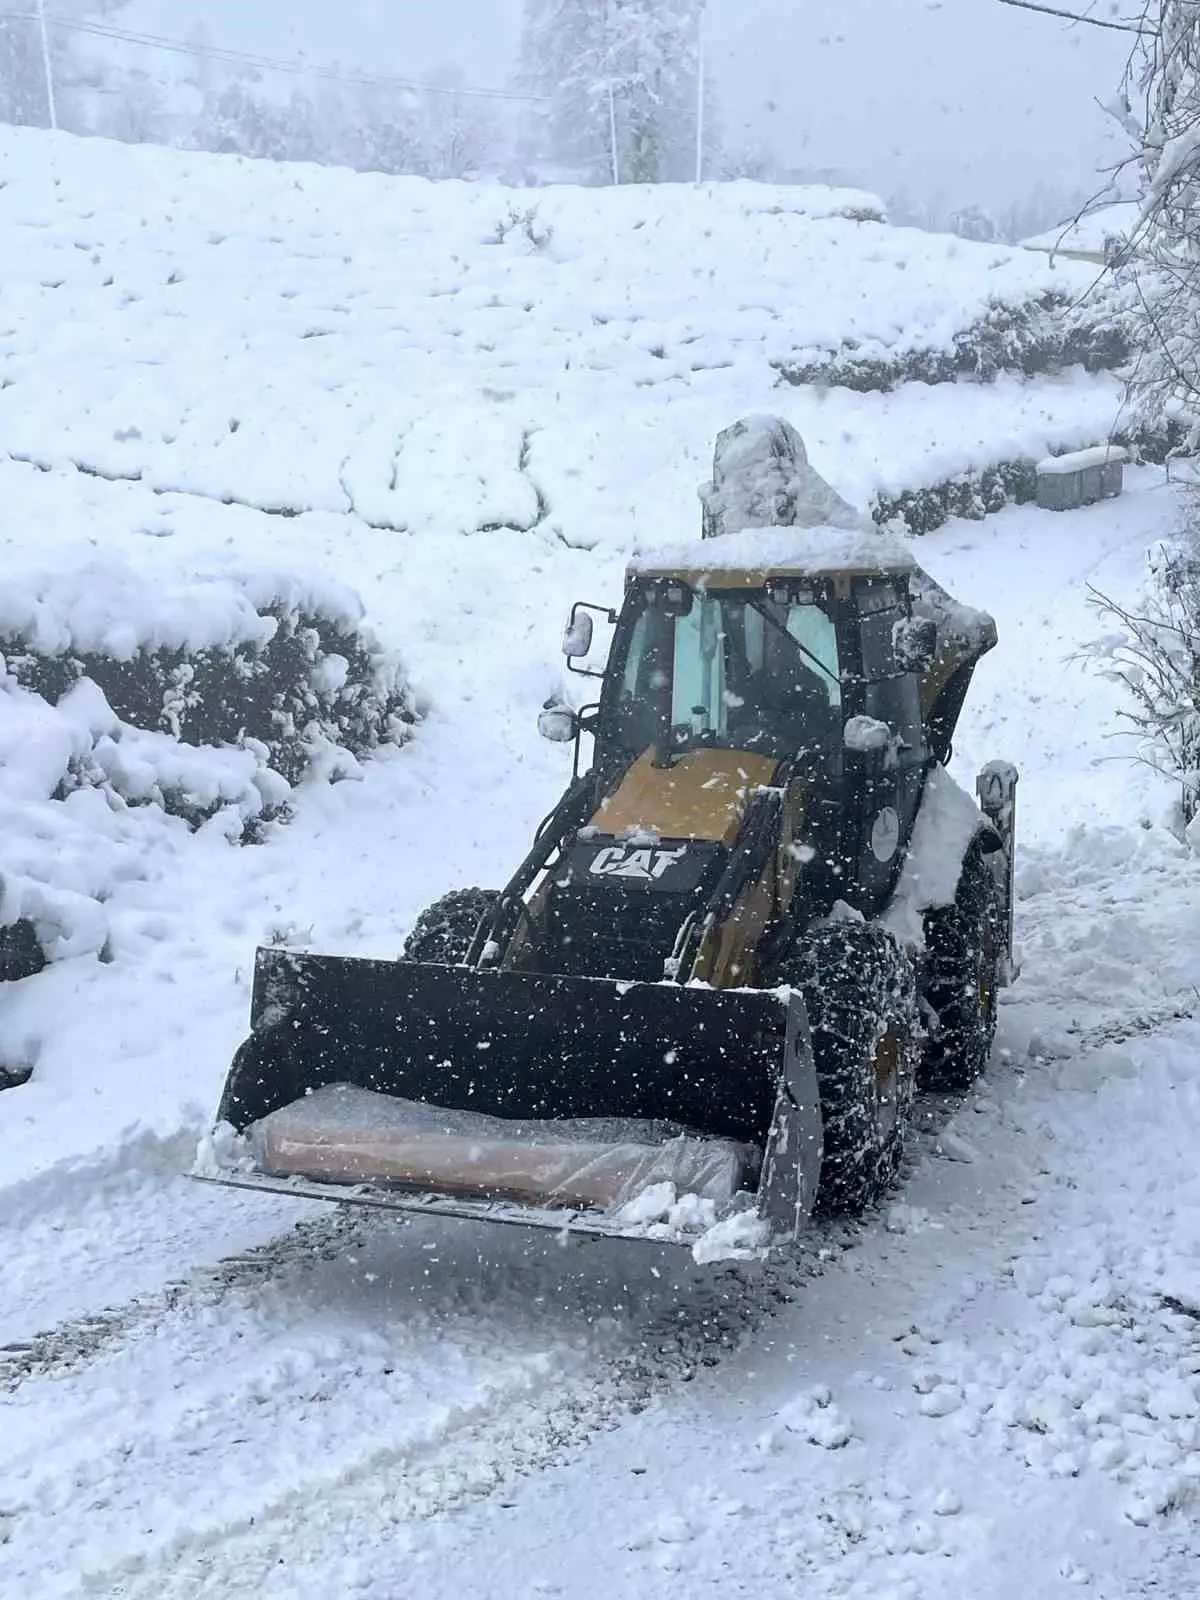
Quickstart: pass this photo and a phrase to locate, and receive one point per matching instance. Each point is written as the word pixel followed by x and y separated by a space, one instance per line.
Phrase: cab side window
pixel 813 629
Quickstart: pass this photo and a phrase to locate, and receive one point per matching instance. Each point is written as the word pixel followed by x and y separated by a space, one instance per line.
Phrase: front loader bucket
pixel 727 1064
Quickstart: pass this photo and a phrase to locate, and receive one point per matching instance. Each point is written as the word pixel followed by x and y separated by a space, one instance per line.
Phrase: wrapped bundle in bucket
pixel 344 1134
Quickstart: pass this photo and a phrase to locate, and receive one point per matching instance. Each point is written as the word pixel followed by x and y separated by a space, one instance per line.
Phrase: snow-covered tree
pixel 372 127
pixel 1159 106
pixel 304 135
pixel 202 68
pixel 378 129
pixel 22 78
pixel 76 68
pixel 621 79
pixel 1042 207
pixel 1156 651
pixel 974 222
pixel 139 115
pixel 237 121
pixel 754 160
pixel 459 134
pixel 561 38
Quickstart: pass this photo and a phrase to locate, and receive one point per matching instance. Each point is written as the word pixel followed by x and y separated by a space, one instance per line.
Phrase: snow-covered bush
pixel 973 495
pixel 85 800
pixel 1154 653
pixel 521 222
pixel 131 709
pixel 251 660
pixel 1044 335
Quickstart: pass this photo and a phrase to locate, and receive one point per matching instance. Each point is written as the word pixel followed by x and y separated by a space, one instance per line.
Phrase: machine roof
pixel 775 552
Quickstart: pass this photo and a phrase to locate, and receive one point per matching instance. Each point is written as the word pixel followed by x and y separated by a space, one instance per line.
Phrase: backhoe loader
pixel 711 988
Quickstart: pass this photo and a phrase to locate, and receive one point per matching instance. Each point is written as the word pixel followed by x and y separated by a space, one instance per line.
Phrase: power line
pixel 243 58
pixel 1074 16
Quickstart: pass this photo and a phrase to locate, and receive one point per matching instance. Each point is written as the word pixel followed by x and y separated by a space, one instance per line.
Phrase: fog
pixel 966 99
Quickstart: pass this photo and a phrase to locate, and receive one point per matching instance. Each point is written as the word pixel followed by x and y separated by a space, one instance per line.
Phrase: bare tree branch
pixel 1155 656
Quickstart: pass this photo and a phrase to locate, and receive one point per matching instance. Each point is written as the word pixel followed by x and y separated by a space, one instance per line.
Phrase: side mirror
pixel 914 641
pixel 558 722
pixel 577 640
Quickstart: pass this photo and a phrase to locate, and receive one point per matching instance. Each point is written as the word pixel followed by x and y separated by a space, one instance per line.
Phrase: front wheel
pixel 444 931
pixel 859 990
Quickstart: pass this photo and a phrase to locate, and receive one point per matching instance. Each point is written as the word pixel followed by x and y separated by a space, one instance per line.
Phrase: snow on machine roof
pixel 753 555
pixel 768 513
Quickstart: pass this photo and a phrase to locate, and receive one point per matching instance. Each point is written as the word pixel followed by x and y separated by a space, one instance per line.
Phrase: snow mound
pixel 762 479
pixel 663 1213
pixel 815 1417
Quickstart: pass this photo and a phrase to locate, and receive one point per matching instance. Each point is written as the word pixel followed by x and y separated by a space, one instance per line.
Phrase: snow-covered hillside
pixel 994 1384
pixel 299 339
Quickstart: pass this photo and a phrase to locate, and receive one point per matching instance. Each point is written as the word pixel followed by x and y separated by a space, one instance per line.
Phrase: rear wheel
pixel 21 954
pixel 860 993
pixel 965 948
pixel 444 931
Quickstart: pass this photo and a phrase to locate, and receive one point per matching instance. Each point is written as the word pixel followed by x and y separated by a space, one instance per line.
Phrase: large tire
pixel 860 993
pixel 444 931
pixel 964 946
pixel 21 954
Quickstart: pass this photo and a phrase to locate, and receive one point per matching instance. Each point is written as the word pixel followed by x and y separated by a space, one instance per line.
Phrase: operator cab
pixel 762 703
pixel 754 670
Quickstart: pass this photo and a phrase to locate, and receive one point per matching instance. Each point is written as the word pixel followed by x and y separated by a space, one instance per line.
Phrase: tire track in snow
pixel 531 1353
pixel 90 1249
pixel 228 1412
pixel 512 1397
pixel 554 1391
pixel 79 1340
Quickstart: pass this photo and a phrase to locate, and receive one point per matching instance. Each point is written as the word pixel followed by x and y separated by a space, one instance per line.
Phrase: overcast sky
pixel 957 97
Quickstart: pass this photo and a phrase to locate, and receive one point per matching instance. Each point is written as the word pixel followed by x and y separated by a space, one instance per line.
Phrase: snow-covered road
pixel 993 1393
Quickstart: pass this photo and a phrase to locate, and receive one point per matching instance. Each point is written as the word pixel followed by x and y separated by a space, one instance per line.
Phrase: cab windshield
pixel 736 671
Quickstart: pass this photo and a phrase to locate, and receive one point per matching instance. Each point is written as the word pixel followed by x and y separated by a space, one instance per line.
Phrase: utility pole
pixel 613 157
pixel 51 107
pixel 612 134
pixel 701 89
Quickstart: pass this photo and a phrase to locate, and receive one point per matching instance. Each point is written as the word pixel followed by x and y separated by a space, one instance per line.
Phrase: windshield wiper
pixel 792 639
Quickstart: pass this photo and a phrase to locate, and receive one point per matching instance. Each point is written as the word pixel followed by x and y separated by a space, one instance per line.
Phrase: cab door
pixel 895 777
